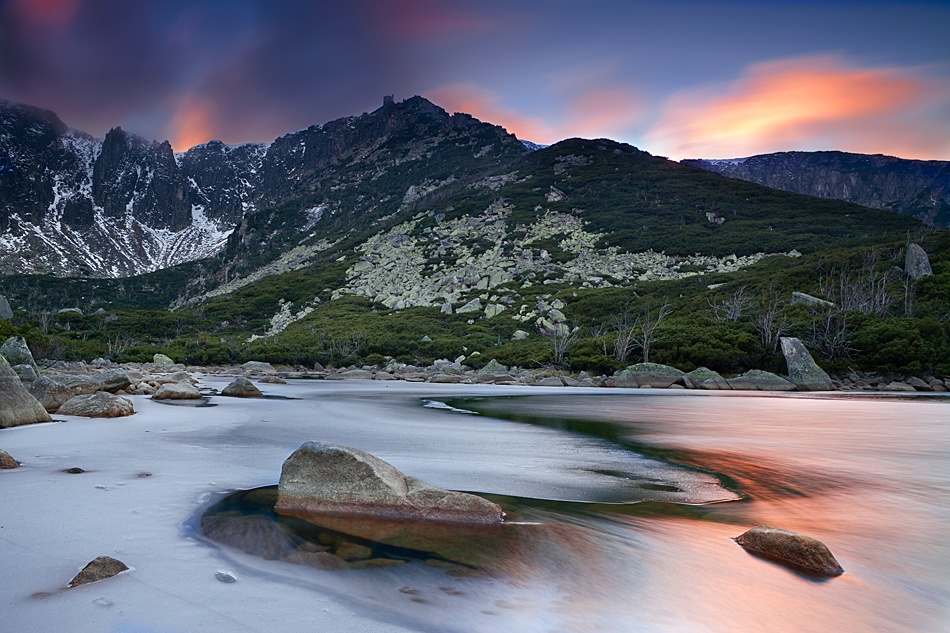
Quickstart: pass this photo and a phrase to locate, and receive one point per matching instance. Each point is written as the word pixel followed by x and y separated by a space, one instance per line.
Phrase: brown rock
pixel 50 393
pixel 792 549
pixel 7 462
pixel 183 390
pixel 99 569
pixel 97 405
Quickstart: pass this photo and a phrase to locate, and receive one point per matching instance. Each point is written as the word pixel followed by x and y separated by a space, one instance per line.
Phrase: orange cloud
pixel 591 114
pixel 483 105
pixel 796 104
pixel 191 124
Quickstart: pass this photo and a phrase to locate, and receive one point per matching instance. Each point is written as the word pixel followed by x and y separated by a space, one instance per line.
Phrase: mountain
pixel 72 205
pixel 910 187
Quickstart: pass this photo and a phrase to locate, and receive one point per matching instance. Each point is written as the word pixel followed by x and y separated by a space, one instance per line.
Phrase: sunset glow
pixel 680 78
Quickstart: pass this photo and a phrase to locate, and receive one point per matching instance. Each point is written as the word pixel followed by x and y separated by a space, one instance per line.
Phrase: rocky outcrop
pixel 17 406
pixel 241 387
pixel 329 479
pixel 916 262
pixel 97 405
pixel 795 550
pixel 703 378
pixel 5 311
pixel 803 372
pixel 100 568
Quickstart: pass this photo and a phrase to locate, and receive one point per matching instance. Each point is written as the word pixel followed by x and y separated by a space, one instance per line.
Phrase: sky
pixel 678 78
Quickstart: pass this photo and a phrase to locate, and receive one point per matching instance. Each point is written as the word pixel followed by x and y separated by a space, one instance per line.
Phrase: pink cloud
pixel 484 105
pixel 806 103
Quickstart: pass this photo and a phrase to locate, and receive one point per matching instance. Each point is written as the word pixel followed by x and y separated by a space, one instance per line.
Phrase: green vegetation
pixel 881 321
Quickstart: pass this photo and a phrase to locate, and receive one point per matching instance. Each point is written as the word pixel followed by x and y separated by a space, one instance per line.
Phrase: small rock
pixel 793 549
pixel 897 386
pixel 99 569
pixel 7 462
pixel 225 576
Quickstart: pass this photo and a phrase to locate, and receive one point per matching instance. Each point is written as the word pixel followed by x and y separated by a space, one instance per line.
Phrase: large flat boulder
pixel 803 372
pixel 101 404
pixel 17 406
pixel 329 479
pixel 182 390
pixel 758 380
pixel 792 549
pixel 648 375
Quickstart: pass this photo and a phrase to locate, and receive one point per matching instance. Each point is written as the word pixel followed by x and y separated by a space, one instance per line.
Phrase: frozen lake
pixel 868 476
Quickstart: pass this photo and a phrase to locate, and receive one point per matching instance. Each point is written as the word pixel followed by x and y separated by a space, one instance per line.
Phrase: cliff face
pixel 910 187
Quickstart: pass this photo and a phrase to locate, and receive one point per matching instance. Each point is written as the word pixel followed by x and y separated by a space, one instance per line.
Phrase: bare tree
pixel 771 321
pixel 643 329
pixel 866 291
pixel 624 325
pixel 561 335
pixel 830 333
pixel 731 309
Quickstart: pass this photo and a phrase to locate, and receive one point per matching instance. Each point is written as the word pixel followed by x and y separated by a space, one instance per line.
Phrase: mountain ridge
pixel 919 188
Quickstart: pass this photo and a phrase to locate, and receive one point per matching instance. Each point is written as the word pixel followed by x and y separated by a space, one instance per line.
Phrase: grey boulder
pixel 16 351
pixel 916 262
pixel 17 406
pixel 50 393
pixel 114 380
pixel 329 479
pixel 803 372
pixel 648 375
pixel 795 550
pixel 758 380
pixel 241 387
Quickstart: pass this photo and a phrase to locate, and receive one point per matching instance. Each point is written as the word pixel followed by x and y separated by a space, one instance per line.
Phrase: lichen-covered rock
pixel 241 387
pixel 17 406
pixel 803 372
pixel 101 404
pixel 329 479
pixel 27 373
pixel 796 550
pixel 648 375
pixel 162 360
pixel 7 462
pixel 5 311
pixel 758 380
pixel 183 390
pixel 98 569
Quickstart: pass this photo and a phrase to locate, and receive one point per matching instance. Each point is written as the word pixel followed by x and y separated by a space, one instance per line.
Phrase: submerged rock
pixel 241 387
pixel 803 371
pixel 99 569
pixel 101 404
pixel 17 406
pixel 329 479
pixel 796 550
